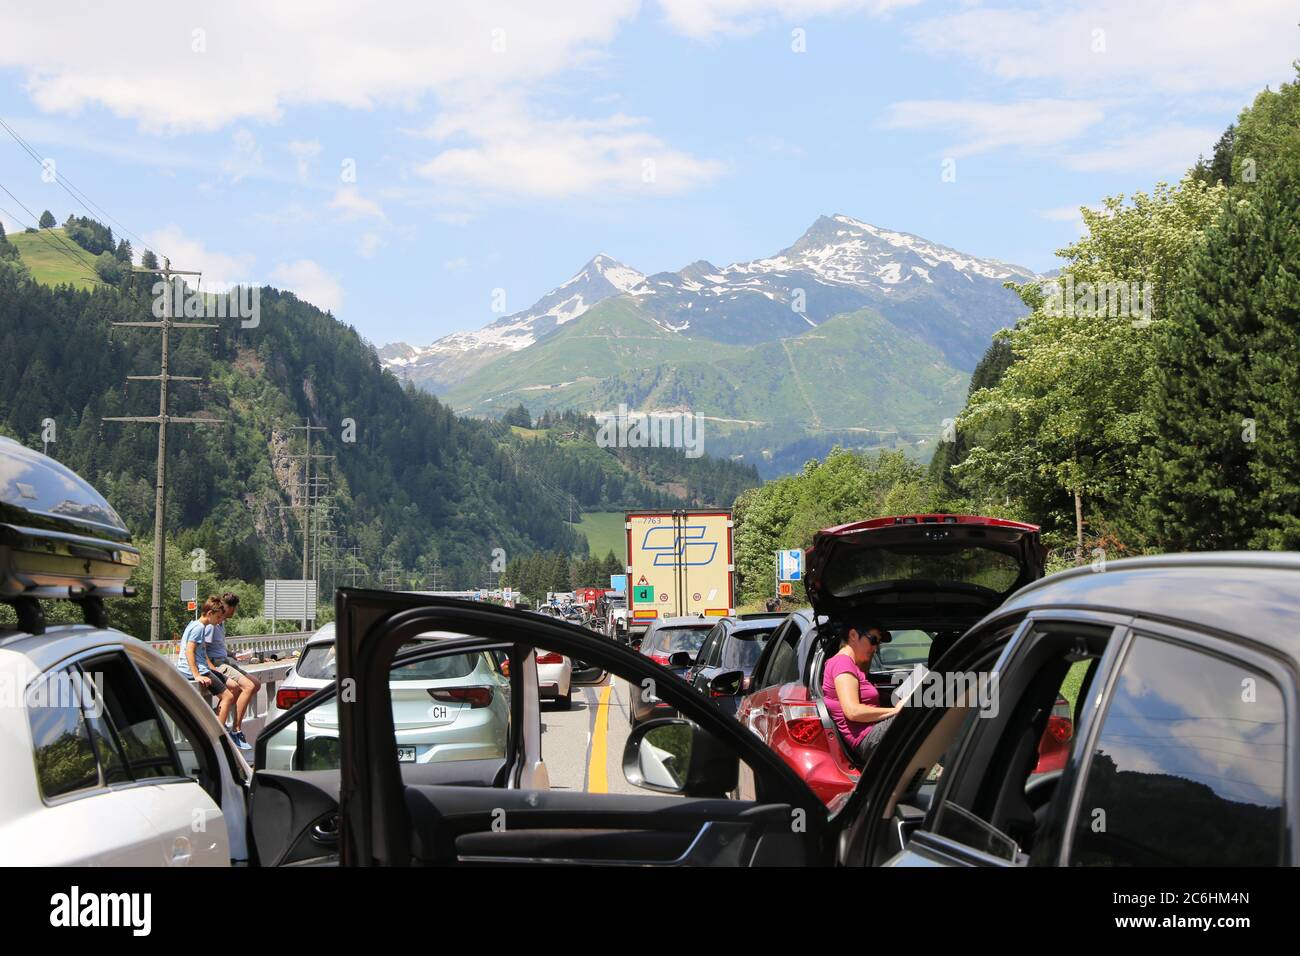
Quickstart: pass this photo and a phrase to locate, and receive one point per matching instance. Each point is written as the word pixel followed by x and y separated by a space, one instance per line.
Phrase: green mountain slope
pixel 855 371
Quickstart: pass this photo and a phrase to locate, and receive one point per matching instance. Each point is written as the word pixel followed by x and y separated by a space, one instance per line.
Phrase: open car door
pixel 386 818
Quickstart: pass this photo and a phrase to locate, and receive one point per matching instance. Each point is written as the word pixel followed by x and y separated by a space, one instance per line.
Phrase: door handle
pixel 326 831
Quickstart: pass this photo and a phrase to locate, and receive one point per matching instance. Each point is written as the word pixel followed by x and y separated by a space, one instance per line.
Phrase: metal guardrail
pixel 254 647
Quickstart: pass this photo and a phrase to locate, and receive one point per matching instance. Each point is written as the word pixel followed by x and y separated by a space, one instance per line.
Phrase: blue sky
pixel 499 145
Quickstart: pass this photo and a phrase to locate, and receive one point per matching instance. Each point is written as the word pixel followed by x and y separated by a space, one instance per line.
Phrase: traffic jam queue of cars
pixel 1026 703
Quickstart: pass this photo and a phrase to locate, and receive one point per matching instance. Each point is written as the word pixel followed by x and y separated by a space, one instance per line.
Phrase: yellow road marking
pixel 597 767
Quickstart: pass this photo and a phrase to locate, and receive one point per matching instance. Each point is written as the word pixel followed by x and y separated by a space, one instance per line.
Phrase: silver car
pixel 449 708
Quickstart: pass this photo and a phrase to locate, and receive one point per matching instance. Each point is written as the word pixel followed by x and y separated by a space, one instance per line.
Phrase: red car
pixel 927 578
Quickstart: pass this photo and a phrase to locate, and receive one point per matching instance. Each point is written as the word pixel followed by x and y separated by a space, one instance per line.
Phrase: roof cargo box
pixel 59 538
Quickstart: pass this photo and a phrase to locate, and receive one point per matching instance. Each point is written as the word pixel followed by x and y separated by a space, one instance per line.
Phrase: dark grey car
pixel 670 642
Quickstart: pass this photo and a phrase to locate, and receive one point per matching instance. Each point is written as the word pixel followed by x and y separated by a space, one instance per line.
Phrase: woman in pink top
pixel 853 701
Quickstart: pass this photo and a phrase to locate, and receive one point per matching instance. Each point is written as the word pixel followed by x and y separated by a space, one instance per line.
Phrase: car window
pixel 674 639
pixel 65 759
pixel 1019 730
pixel 783 662
pixel 1189 768
pixel 129 736
pixel 905 648
pixel 198 760
pixel 743 649
pixel 316 662
pixel 709 647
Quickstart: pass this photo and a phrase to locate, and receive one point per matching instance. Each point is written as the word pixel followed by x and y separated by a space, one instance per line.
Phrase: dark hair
pixel 211 604
pixel 841 628
pixel 231 598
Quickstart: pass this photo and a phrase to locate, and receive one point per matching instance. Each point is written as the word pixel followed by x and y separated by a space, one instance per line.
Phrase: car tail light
pixel 286 697
pixel 802 722
pixel 474 696
pixel 1061 728
pixel 550 657
pixel 660 659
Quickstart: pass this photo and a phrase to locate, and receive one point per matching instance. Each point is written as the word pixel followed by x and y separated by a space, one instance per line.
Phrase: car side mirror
pixel 635 644
pixel 727 684
pixel 681 659
pixel 674 755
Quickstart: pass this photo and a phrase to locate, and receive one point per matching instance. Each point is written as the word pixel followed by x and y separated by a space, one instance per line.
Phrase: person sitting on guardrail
pixel 243 685
pixel 193 663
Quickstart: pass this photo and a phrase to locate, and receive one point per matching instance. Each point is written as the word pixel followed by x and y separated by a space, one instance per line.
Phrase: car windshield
pixel 674 639
pixel 742 649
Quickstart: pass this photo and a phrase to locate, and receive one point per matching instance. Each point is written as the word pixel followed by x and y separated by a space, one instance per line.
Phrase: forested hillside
pixel 417 487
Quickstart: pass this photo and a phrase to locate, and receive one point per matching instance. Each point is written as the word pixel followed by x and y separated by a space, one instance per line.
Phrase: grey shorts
pixel 872 740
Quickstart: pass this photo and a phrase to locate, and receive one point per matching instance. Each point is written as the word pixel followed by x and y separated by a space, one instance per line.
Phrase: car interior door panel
pixel 462 824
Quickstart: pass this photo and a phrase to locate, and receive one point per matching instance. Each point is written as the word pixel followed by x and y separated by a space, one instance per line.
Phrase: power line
pixel 68 186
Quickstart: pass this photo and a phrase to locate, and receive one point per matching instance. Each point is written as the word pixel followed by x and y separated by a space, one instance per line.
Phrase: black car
pixel 726 660
pixel 1184 672
pixel 672 643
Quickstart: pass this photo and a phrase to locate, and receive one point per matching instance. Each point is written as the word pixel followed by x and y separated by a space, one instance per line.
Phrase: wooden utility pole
pixel 162 420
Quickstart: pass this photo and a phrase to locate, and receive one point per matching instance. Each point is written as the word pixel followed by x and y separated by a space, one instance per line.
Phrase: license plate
pixel 406 755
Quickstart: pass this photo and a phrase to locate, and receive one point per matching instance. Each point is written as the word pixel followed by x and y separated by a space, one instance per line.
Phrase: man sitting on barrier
pixel 243 684
pixel 194 663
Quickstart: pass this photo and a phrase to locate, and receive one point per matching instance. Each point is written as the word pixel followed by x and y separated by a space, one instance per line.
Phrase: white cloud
pixel 1165 150
pixel 220 270
pixel 458 264
pixel 369 245
pixel 1066 214
pixel 257 58
pixel 304 152
pixel 510 150
pixel 352 205
pixel 311 283
pixel 1158 46
pixel 983 126
pixel 706 18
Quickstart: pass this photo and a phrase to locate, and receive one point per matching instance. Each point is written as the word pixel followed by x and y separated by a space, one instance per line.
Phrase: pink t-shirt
pixel 852 730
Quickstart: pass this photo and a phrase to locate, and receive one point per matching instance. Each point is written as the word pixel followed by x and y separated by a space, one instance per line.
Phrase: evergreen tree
pixel 47 220
pixel 148 260
pixel 1222 463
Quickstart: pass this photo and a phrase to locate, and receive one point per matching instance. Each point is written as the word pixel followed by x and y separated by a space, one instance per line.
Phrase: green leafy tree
pixel 47 220
pixel 1068 411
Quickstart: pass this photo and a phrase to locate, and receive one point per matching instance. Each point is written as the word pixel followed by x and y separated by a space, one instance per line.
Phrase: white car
pixel 451 708
pixel 96 726
pixel 555 678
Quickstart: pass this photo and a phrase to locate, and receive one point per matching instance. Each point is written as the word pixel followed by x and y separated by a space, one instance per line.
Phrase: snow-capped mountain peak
pixel 603 276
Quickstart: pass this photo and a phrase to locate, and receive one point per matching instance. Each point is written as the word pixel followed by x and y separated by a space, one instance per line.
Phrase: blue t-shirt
pixel 215 637
pixel 198 634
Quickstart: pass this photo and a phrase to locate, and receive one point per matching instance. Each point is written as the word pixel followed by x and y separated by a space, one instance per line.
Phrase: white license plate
pixel 406 755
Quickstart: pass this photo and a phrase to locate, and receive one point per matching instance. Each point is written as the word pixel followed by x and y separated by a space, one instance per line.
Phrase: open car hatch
pixel 930 570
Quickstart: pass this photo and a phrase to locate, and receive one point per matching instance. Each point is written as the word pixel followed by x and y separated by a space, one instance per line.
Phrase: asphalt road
pixel 583 747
